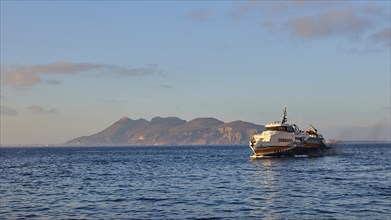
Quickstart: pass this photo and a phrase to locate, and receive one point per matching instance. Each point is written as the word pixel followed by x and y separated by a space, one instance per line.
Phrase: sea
pixel 194 182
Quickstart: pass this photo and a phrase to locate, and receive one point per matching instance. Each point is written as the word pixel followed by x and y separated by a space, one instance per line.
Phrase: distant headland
pixel 170 131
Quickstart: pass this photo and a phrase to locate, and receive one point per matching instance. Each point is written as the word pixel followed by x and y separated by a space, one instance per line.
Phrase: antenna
pixel 284 119
pixel 316 130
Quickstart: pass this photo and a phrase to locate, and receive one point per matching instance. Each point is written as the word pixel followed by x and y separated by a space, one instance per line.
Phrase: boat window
pixel 296 128
pixel 277 128
pixel 284 140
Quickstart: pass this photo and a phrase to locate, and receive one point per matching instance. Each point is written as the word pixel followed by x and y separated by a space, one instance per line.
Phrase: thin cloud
pixel 53 82
pixel 165 86
pixel 380 40
pixel 16 78
pixel 200 15
pixel 338 22
pixel 382 37
pixel 140 71
pixel 356 50
pixel 58 67
pixel 366 22
pixel 40 110
pixel 7 111
pixel 30 75
pixel 374 9
pixel 276 10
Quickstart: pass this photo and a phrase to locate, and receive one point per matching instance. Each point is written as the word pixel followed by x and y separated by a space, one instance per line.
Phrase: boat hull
pixel 289 151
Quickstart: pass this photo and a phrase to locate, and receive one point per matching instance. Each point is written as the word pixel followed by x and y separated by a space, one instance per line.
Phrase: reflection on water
pixel 267 196
pixel 325 185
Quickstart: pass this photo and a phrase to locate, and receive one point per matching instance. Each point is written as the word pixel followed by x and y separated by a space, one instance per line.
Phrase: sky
pixel 73 68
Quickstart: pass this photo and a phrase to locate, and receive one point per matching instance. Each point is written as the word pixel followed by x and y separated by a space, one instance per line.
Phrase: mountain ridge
pixel 170 131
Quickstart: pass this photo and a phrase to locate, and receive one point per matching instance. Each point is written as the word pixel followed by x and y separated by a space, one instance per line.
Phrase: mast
pixel 316 130
pixel 284 119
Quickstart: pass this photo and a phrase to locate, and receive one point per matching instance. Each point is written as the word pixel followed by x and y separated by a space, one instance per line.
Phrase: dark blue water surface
pixel 219 182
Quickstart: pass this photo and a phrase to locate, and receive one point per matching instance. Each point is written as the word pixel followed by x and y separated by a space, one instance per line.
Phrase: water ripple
pixel 218 182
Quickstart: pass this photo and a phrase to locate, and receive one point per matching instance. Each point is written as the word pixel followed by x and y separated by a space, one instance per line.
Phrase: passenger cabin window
pixel 277 128
pixel 284 140
pixel 281 128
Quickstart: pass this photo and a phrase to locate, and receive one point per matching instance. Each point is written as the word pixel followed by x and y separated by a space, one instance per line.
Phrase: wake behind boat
pixel 284 139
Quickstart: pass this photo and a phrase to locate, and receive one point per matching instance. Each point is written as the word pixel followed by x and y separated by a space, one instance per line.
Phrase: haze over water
pixel 218 182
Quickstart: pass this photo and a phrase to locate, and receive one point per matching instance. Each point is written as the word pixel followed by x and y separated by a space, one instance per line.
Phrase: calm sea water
pixel 219 182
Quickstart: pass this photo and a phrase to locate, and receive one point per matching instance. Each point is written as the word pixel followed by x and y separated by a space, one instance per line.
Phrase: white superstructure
pixel 281 138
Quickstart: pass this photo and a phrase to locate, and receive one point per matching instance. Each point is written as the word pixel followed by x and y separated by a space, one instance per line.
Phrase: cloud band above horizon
pixel 30 75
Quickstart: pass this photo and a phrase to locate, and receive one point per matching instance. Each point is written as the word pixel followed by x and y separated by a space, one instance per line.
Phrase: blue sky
pixel 73 68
